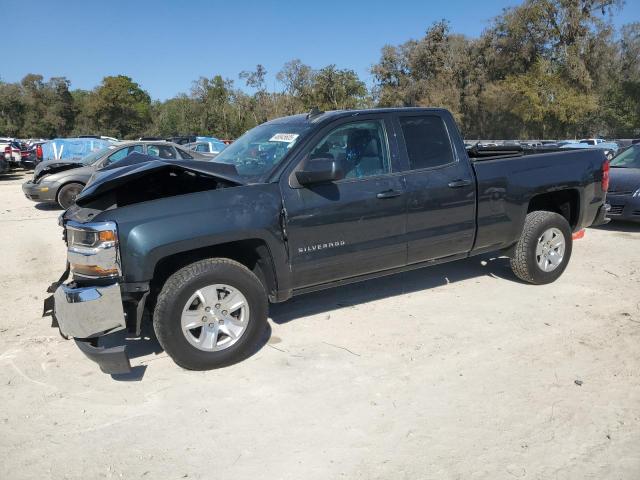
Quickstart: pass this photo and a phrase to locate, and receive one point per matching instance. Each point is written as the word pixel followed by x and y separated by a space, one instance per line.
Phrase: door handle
pixel 459 183
pixel 389 194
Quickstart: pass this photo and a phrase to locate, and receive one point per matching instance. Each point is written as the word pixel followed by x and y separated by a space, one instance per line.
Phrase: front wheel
pixel 544 249
pixel 210 314
pixel 68 193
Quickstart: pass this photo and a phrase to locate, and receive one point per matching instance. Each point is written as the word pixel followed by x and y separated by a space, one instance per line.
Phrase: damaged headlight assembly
pixel 92 249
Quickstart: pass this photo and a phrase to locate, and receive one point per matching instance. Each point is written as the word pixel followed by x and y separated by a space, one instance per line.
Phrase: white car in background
pixel 592 141
pixel 10 149
pixel 209 146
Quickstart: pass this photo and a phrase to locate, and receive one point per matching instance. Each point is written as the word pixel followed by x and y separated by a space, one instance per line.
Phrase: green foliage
pixel 297 81
pixel 334 89
pixel 543 69
pixel 119 107
pixel 12 108
pixel 546 68
pixel 543 100
pixel 35 108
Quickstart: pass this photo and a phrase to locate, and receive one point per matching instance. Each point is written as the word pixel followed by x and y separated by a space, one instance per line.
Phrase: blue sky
pixel 165 45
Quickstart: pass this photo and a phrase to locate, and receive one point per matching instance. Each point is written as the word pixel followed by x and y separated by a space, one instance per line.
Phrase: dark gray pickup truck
pixel 300 204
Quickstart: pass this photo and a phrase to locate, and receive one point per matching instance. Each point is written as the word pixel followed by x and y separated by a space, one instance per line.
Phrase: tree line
pixel 543 69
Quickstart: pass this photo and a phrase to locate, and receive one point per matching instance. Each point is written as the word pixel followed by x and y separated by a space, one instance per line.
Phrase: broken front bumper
pixel 86 313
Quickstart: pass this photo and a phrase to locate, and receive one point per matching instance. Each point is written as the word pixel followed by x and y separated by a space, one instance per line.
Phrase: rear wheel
pixel 544 249
pixel 68 193
pixel 210 314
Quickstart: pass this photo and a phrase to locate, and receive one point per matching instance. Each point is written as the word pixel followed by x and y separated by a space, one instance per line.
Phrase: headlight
pixel 92 249
pixel 636 194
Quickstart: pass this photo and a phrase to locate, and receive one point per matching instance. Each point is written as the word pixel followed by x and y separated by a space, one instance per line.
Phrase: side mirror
pixel 320 170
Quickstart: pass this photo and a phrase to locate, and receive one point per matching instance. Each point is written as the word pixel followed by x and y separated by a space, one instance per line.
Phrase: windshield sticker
pixel 284 137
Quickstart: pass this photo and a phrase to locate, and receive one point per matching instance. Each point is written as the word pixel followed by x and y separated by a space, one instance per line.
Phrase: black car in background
pixel 624 187
pixel 32 156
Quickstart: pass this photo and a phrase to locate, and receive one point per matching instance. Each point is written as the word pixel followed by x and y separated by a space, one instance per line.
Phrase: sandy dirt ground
pixel 458 371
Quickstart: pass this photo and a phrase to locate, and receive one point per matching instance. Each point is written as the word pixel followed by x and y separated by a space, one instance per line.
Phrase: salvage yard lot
pixel 457 371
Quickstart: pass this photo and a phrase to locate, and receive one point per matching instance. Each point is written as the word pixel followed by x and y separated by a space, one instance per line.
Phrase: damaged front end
pixel 91 305
pixel 140 178
pixel 97 300
pixel 49 168
pixel 38 188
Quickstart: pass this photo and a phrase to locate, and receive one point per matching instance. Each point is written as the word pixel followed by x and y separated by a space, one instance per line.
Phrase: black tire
pixel 68 193
pixel 177 290
pixel 524 261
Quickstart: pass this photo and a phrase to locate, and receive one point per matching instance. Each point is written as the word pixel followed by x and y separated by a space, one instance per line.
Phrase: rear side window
pixel 162 151
pixel 124 152
pixel 427 141
pixel 202 147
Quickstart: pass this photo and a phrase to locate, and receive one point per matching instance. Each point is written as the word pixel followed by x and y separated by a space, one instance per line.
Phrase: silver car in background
pixel 61 181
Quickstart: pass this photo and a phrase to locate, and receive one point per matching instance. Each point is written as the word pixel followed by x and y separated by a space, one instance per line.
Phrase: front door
pixel 353 226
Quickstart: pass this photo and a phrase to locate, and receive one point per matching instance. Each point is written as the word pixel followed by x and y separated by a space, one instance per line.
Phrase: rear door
pixel 440 188
pixel 353 226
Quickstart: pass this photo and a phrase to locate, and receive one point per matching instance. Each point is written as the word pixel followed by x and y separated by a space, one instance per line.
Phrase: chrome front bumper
pixel 89 311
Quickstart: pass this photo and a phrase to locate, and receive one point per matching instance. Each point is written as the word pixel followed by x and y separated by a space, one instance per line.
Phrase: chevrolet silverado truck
pixel 300 204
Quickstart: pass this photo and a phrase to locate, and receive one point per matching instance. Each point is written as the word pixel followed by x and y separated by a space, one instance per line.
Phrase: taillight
pixel 7 150
pixel 605 175
pixel 39 152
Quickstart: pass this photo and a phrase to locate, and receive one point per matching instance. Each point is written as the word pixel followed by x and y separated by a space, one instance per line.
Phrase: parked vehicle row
pixel 60 181
pixel 610 148
pixel 29 153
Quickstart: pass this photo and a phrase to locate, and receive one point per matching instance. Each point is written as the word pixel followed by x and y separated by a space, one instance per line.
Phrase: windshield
pixel 95 155
pixel 630 158
pixel 262 148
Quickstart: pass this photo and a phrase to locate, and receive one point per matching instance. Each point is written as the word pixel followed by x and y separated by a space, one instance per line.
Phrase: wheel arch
pixel 253 253
pixel 565 202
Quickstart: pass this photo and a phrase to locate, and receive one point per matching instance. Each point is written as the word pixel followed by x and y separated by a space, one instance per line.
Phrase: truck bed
pixel 477 153
pixel 507 184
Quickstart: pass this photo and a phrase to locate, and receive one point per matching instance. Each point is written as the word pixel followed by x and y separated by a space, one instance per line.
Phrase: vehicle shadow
pixel 11 176
pixel 391 286
pixel 147 344
pixel 136 347
pixel 331 299
pixel 48 207
pixel 620 226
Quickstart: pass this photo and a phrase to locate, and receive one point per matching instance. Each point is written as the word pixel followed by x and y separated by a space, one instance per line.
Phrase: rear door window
pixel 124 152
pixel 163 151
pixel 427 141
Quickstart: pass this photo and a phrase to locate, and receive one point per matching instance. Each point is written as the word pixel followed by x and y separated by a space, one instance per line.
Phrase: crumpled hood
pixel 138 165
pixel 624 181
pixel 48 168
